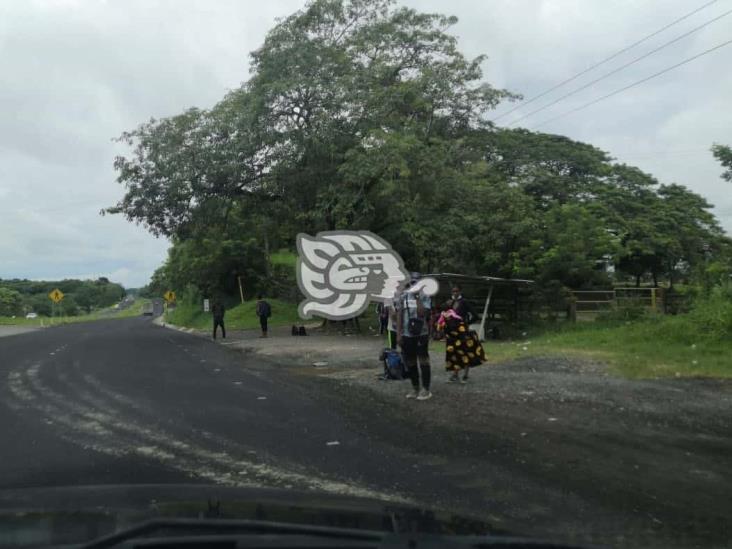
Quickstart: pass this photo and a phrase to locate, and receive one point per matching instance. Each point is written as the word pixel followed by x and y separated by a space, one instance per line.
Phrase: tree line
pixel 19 297
pixel 360 114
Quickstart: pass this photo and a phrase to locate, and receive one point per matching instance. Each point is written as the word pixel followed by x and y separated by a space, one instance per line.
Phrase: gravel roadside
pixel 556 445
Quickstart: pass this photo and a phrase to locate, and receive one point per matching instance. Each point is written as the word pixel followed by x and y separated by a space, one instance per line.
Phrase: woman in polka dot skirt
pixel 463 349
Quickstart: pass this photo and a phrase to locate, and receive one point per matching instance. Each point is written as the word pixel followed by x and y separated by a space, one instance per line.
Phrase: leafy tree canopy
pixel 361 114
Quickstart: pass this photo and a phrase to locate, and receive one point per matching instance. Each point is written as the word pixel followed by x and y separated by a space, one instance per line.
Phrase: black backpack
pixel 301 331
pixel 294 330
pixel 264 309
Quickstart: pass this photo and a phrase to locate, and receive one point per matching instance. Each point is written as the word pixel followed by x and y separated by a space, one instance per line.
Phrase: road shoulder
pixel 7 331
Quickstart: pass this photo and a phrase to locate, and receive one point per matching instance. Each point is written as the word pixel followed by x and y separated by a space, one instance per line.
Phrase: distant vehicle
pixel 31 315
pixel 147 309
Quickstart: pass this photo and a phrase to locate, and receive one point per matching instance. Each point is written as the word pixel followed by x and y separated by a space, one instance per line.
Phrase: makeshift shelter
pixel 494 300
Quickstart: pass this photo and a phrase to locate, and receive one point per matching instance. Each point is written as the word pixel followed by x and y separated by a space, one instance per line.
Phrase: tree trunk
pixel 655 279
pixel 637 281
pixel 267 254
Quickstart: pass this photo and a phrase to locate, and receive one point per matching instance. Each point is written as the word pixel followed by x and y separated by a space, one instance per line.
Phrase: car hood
pixel 72 515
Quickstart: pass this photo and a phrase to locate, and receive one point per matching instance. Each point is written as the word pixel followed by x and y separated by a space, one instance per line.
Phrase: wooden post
pixel 653 299
pixel 661 300
pixel 241 291
pixel 481 333
pixel 573 309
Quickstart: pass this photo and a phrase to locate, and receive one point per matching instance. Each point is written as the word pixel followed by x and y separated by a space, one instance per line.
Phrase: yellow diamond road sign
pixel 56 295
pixel 169 296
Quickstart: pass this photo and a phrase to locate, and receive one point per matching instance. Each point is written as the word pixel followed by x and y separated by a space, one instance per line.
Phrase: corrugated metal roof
pixel 480 278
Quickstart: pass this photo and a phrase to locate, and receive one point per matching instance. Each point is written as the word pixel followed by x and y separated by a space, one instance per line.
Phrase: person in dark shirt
pixel 460 305
pixel 264 311
pixel 218 310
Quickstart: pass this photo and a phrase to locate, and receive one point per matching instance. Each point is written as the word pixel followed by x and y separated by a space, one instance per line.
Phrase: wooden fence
pixel 590 303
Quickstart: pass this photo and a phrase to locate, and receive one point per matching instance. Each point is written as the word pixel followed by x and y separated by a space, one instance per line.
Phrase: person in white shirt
pixel 413 335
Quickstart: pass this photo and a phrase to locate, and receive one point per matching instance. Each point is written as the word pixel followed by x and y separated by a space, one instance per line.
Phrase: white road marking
pixel 93 422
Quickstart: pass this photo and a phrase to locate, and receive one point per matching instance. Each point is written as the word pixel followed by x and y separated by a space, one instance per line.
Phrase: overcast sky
pixel 75 74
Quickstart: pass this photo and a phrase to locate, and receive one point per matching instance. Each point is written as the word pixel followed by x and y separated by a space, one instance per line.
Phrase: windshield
pixel 471 259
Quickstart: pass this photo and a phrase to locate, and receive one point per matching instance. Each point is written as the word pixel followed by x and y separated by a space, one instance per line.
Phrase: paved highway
pixel 120 402
pixel 125 401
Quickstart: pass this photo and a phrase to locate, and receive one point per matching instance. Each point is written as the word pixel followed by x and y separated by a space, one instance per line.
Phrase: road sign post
pixel 56 296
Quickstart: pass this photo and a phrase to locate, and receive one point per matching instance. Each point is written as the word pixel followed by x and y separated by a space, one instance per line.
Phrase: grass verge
pixel 107 313
pixel 640 349
pixel 284 257
pixel 241 317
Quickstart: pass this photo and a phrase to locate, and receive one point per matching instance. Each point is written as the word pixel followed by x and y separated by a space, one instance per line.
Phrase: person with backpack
pixel 413 336
pixel 218 311
pixel 264 311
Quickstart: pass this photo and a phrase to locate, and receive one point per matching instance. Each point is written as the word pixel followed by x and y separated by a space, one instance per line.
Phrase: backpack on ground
pixel 294 330
pixel 394 367
pixel 301 331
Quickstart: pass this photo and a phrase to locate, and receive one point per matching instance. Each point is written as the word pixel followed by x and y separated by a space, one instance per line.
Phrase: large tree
pixel 723 154
pixel 363 115
pixel 337 82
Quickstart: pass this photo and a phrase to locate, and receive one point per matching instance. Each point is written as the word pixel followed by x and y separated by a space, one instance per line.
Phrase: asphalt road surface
pixel 125 401
pixel 128 402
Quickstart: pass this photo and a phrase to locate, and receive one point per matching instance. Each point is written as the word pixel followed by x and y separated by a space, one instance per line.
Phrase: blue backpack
pixel 394 367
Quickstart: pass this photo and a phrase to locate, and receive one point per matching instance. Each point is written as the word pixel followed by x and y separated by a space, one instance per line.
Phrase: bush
pixel 11 302
pixel 629 311
pixel 283 283
pixel 712 315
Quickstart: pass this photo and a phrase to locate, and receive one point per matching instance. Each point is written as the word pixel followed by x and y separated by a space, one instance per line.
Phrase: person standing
pixel 413 315
pixel 391 325
pixel 463 349
pixel 461 306
pixel 382 312
pixel 218 311
pixel 472 353
pixel 264 311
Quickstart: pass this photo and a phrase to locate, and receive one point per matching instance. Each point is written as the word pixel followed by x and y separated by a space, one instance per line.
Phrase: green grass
pixel 18 321
pixel 646 348
pixel 133 310
pixel 284 257
pixel 108 313
pixel 241 317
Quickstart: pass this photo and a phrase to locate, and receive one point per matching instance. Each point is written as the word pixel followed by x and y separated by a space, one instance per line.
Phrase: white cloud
pixel 74 74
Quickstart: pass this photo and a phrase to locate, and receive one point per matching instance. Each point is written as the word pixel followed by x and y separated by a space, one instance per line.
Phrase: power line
pixel 55 208
pixel 613 56
pixel 615 71
pixel 637 83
